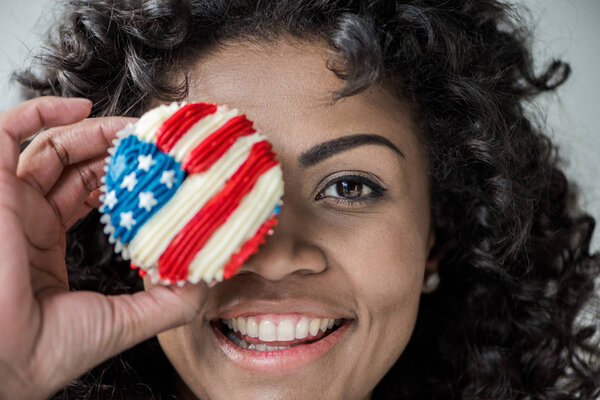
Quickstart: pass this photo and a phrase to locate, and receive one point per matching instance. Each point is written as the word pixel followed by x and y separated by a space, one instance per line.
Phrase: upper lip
pixel 312 308
pixel 246 294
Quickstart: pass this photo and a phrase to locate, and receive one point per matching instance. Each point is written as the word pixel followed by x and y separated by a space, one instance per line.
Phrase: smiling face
pixel 335 290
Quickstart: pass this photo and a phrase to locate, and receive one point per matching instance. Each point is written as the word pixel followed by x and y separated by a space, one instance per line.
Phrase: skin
pixel 51 335
pixel 366 260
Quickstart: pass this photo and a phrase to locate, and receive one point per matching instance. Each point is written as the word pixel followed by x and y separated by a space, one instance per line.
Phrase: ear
pixel 431 279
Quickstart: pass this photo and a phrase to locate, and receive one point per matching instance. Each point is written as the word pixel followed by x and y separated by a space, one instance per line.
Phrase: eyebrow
pixel 327 149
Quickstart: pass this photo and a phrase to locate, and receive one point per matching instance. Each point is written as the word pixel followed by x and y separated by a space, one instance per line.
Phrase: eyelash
pixel 377 190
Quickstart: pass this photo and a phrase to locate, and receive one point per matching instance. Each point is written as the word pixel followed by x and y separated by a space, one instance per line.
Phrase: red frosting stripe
pixel 174 262
pixel 249 248
pixel 203 156
pixel 180 122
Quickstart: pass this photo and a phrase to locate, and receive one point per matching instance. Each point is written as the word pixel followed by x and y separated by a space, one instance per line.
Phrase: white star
pixel 110 199
pixel 129 182
pixel 147 200
pixel 168 178
pixel 127 220
pixel 145 162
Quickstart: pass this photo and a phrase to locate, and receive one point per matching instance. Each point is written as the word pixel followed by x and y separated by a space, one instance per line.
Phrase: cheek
pixel 383 257
pixel 386 268
pixel 384 263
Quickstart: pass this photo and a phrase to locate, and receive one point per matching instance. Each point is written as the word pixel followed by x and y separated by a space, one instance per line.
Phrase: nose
pixel 288 250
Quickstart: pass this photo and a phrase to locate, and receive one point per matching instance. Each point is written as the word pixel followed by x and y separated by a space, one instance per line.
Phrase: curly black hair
pixel 507 321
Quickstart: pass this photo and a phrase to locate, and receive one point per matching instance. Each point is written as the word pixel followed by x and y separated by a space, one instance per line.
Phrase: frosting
pixel 174 262
pixel 190 192
pixel 137 191
pixel 210 150
pixel 195 191
pixel 173 129
pixel 243 223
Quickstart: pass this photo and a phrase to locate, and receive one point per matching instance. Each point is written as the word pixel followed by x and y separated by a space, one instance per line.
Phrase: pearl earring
pixel 432 282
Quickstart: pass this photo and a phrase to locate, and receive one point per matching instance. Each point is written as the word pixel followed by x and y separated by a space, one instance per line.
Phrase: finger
pixel 69 200
pixel 150 312
pixel 92 202
pixel 17 124
pixel 40 221
pixel 48 269
pixel 14 272
pixel 43 161
pixel 103 326
pixel 27 118
pixel 74 188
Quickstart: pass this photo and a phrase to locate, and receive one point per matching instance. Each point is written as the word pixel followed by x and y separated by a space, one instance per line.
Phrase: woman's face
pixel 351 246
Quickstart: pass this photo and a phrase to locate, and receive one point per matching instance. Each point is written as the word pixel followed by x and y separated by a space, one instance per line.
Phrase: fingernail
pixel 80 100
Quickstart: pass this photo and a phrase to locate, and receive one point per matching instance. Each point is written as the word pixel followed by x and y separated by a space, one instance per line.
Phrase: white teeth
pixel 302 328
pixel 324 323
pixel 238 341
pixel 285 330
pixel 265 347
pixel 242 325
pixel 267 331
pixel 252 327
pixel 258 347
pixel 313 327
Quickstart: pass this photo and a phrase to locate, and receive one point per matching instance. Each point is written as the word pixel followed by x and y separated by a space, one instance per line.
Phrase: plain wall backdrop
pixel 565 29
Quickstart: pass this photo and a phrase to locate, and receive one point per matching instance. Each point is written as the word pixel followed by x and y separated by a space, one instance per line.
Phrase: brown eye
pixel 347 189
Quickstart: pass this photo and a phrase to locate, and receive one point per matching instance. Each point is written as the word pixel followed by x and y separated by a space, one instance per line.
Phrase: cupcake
pixel 190 192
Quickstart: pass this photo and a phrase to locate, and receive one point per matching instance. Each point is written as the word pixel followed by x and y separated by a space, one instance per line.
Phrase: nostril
pixel 309 271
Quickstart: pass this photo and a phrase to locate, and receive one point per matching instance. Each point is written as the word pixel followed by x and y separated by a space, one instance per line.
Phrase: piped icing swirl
pixel 190 192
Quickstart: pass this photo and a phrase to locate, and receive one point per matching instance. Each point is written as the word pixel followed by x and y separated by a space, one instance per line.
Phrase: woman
pixel 424 213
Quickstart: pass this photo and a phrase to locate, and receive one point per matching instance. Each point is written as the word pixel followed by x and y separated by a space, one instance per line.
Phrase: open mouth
pixel 275 333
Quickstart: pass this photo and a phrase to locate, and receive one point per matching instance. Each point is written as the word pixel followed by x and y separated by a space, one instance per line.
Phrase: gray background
pixel 565 29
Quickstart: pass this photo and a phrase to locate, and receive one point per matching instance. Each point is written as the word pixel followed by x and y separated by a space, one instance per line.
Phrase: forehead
pixel 286 88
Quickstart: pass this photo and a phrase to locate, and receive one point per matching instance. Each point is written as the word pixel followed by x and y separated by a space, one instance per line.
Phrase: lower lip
pixel 280 361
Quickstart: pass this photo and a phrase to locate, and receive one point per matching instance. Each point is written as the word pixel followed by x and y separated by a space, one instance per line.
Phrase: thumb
pixel 98 327
pixel 144 314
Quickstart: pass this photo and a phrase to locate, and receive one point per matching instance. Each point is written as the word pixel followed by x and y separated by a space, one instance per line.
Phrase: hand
pixel 49 335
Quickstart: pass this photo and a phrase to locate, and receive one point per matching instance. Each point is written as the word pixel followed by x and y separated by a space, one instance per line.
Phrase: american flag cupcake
pixel 190 192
